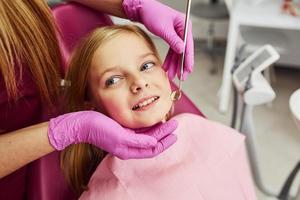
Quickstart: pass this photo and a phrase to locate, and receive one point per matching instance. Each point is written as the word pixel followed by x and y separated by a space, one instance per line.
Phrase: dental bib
pixel 208 162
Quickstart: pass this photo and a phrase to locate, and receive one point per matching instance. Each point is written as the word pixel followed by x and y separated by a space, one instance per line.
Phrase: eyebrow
pixel 147 54
pixel 110 69
pixel 117 67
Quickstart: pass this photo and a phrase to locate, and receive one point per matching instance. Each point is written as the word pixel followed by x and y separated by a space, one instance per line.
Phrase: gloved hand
pixel 97 129
pixel 168 24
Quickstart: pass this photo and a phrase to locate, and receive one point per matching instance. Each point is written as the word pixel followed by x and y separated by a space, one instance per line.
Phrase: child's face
pixel 127 82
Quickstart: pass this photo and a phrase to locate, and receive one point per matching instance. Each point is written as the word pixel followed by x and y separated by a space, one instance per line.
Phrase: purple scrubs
pixel 41 179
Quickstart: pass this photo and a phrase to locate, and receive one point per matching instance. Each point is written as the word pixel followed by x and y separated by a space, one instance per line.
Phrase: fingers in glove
pixel 142 141
pixel 162 130
pixel 164 144
pixel 168 59
pixel 138 153
pixel 174 65
pixel 174 40
pixel 184 75
pixel 189 52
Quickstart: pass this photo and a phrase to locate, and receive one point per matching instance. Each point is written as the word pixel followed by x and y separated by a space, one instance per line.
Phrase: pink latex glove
pixel 97 129
pixel 168 24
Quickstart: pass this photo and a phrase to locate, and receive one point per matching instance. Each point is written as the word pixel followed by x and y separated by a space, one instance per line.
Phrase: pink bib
pixel 208 162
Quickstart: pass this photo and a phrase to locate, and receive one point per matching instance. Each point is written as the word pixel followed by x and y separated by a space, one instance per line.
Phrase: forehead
pixel 122 48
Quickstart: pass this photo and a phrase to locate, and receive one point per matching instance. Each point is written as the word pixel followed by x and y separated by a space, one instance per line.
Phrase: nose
pixel 138 85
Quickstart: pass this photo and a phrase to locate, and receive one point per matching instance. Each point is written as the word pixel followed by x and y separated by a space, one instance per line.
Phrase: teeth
pixel 144 103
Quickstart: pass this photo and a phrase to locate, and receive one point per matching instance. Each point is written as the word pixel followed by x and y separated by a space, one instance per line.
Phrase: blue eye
pixel 113 80
pixel 147 66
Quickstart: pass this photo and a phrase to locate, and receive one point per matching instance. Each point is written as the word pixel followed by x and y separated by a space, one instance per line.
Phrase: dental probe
pixel 175 95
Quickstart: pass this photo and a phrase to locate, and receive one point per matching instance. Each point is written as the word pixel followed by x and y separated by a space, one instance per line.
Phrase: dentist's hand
pixel 168 24
pixel 97 129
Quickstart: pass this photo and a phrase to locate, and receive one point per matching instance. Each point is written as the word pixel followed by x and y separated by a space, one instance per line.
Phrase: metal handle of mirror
pixel 177 94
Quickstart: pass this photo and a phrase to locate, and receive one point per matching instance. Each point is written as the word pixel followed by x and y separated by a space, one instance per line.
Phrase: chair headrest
pixel 74 22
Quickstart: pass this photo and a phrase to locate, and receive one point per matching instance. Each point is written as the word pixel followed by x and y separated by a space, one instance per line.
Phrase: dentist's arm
pixel 20 147
pixel 23 146
pixel 170 27
pixel 112 7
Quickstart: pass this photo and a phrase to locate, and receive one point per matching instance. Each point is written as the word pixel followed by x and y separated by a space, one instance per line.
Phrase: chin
pixel 150 123
pixel 143 123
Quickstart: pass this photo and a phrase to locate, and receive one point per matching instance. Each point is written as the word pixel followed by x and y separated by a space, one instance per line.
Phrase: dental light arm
pixel 254 90
pixel 248 79
pixel 260 91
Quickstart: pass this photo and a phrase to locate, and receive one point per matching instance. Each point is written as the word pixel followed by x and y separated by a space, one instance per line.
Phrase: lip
pixel 148 106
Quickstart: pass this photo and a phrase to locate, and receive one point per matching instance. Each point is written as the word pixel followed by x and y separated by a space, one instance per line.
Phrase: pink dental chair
pixel 75 21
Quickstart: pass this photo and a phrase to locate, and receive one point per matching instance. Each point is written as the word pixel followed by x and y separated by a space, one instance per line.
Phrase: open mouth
pixel 144 104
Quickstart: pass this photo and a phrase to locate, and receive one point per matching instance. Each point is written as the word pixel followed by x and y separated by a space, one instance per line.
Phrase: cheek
pixel 164 86
pixel 167 91
pixel 167 99
pixel 163 80
pixel 115 106
pixel 111 103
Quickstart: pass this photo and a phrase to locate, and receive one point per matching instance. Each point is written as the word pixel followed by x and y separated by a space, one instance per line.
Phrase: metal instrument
pixel 175 95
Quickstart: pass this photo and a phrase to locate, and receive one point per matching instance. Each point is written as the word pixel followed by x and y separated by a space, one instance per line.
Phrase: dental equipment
pixel 295 106
pixel 294 103
pixel 249 72
pixel 247 79
pixel 176 95
pixel 254 90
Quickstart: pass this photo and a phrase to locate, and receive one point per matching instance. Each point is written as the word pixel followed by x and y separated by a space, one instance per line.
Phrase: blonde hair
pixel 80 161
pixel 28 36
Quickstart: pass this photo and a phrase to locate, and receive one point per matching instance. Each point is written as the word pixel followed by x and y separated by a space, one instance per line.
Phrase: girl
pixel 31 69
pixel 117 71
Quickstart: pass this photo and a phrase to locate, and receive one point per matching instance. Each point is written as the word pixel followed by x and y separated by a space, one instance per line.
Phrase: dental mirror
pixel 176 95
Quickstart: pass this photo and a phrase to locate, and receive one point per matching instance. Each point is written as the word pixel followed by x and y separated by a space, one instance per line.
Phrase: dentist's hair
pixel 28 39
pixel 79 161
